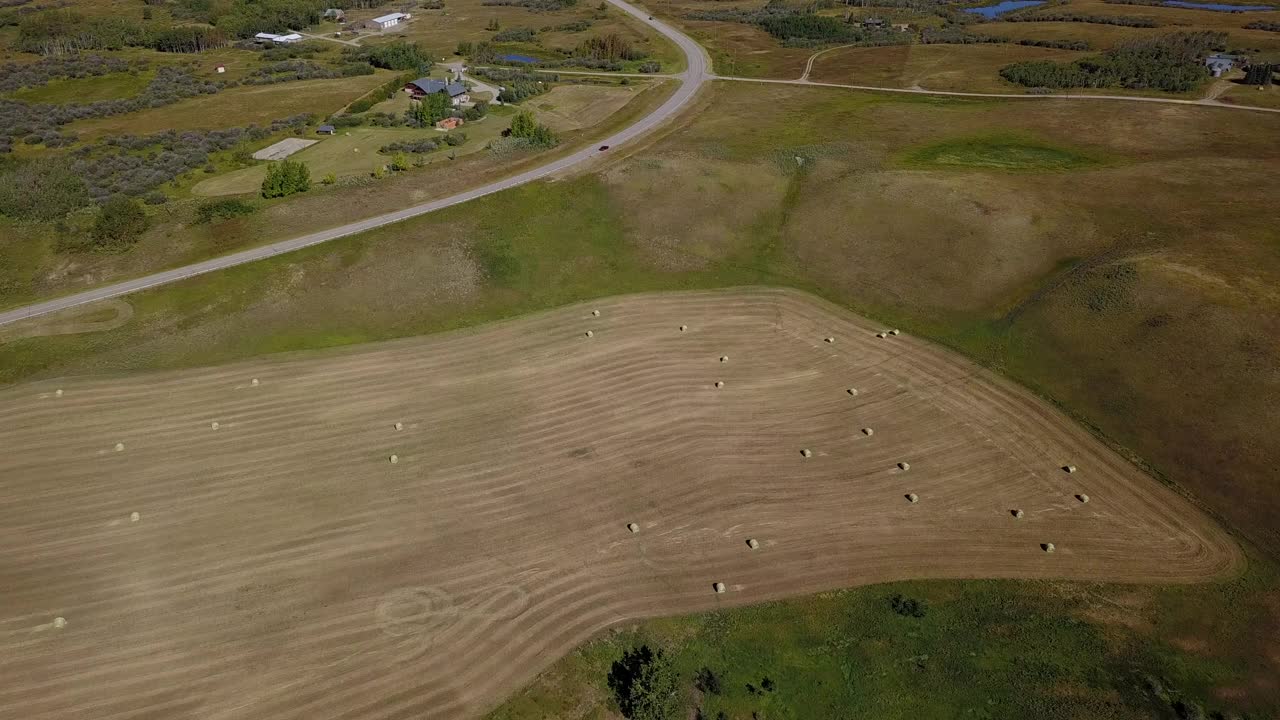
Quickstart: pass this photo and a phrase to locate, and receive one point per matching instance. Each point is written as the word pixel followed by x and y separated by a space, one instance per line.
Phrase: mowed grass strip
pixel 997 153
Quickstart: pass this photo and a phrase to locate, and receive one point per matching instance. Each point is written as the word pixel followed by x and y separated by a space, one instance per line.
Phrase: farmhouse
pixel 1220 63
pixel 278 39
pixel 388 21
pixel 874 23
pixel 423 87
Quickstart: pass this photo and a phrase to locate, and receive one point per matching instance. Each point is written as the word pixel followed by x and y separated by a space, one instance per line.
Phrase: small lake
pixel 1217 6
pixel 991 11
pixel 511 57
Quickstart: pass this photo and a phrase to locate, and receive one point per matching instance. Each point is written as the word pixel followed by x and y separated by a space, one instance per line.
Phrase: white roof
pixel 389 18
pixel 288 38
pixel 266 36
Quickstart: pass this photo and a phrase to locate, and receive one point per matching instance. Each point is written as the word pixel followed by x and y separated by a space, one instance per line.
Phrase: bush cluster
pixel 1172 62
pixel 286 178
pixel 1263 25
pixel 802 26
pixel 524 127
pixel 15 76
pixel 952 35
pixel 218 210
pixel 1121 20
pixel 533 4
pixel 391 56
pixel 519 34
pixel 290 70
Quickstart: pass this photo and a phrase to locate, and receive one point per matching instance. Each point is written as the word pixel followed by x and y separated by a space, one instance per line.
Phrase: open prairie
pixel 416 528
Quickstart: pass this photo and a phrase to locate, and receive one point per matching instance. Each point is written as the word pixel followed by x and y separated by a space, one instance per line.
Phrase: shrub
pixel 41 191
pixel 120 221
pixel 645 684
pixel 218 210
pixel 392 56
pixel 908 607
pixel 649 67
pixel 707 681
pixel 516 35
pixel 286 178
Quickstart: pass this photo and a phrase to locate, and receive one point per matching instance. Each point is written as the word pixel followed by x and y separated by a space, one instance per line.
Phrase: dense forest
pixel 1173 63
pixel 802 26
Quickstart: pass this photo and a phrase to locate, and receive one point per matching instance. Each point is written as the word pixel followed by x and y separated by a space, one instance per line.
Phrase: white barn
pixel 388 21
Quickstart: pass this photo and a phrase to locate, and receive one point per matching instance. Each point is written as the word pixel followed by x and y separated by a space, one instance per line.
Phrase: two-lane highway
pixel 691 80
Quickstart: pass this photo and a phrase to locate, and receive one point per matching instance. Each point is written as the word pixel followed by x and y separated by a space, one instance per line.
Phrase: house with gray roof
pixel 423 87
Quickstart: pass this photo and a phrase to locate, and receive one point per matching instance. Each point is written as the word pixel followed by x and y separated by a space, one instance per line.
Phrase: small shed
pixel 449 123
pixel 326 130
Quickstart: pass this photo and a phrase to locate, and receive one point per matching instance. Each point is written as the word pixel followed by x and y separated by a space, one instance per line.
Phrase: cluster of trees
pixel 382 92
pixel 1121 20
pixel 802 26
pixel 245 18
pixel 66 31
pixel 521 90
pixel 1263 25
pixel 645 684
pixel 119 223
pixel 611 46
pixel 38 123
pixel 290 70
pixel 1260 74
pixel 286 178
pixel 533 133
pixel 430 110
pixel 534 4
pixel 15 76
pixel 519 34
pixel 392 56
pixel 1172 62
pixel 424 145
pixel 953 35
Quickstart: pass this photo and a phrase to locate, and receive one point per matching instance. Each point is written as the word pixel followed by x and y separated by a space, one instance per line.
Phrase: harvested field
pixel 281 567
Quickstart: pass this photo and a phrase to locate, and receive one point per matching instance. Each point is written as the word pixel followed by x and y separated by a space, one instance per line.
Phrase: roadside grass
pixel 970 68
pixel 237 107
pixel 115 86
pixel 1252 96
pixel 573 107
pixel 996 152
pixel 984 649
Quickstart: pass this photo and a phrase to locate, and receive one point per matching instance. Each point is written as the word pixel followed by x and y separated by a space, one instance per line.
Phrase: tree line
pixel 1172 62
pixel 1121 20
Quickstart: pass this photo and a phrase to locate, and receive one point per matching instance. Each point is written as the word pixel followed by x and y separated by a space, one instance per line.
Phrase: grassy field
pixel 84 90
pixel 573 107
pixel 972 68
pixel 1136 291
pixel 237 107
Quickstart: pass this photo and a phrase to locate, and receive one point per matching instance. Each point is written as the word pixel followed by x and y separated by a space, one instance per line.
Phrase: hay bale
pixel 119 447
pixel 214 425
pixel 254 382
pixel 1082 498
pixel 806 452
pixel 134 517
pixel 59 622
pixel 718 587
pixel 683 328
pixel 868 432
pixel 589 333
pixel 913 498
pixel 633 527
pixel 394 459
pixel 595 313
pixel 724 358
pixel 753 543
pixel 852 391
pixel 1017 513
pixel 1068 468
pixel 894 331
pixel 1047 547
pixel 719 383
pixel 881 335
pixel 57 393
pixel 904 466
pixel 398 426
pixel 829 340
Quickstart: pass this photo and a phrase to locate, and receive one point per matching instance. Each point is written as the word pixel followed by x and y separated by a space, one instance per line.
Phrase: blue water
pixel 1218 6
pixel 511 57
pixel 991 11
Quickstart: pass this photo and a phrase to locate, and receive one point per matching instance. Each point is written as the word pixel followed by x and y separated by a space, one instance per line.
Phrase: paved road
pixel 692 79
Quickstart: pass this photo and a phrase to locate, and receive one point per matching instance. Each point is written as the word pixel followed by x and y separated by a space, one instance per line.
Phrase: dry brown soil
pixel 282 567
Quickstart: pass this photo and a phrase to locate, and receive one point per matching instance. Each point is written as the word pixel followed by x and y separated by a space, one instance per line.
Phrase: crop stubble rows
pixel 283 567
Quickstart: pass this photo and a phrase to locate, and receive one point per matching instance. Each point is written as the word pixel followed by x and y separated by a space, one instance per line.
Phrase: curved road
pixel 692 79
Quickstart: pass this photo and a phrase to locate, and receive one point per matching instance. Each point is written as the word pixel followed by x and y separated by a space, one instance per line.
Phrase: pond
pixel 512 57
pixel 1217 6
pixel 991 11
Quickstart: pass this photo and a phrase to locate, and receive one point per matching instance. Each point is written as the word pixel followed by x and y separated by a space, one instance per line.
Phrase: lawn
pixel 115 86
pixel 237 107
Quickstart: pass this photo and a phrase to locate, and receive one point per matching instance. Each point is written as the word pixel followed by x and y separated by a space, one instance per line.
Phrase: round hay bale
pixel 214 425
pixel 119 447
pixel 595 313
pixel 881 335
pixel 394 459
pixel 1017 513
pixel 829 340
pixel 753 543
pixel 1069 468
pixel 904 466
pixel 254 382
pixel 913 498
pixel 1082 498
pixel 724 358
pixel 1048 547
pixel 806 452
pixel 894 331
pixel 868 432
pixel 135 516
pixel 399 426
pixel 719 383
pixel 589 333
pixel 718 587
pixel 683 328
pixel 59 622
pixel 852 391
pixel 633 527
pixel 57 393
